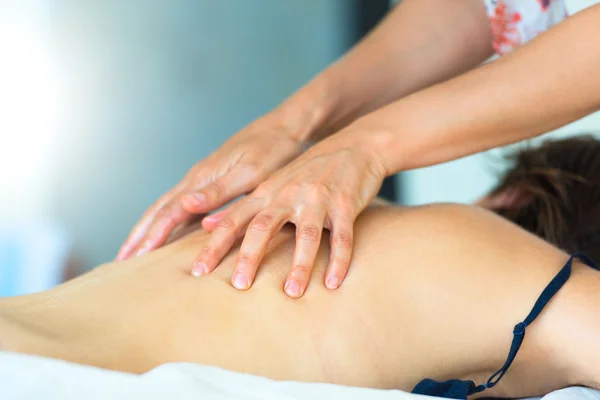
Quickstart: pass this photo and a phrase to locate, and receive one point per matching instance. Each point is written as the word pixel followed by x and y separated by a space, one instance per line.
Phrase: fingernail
pixel 333 282
pixel 239 282
pixel 292 288
pixel 200 269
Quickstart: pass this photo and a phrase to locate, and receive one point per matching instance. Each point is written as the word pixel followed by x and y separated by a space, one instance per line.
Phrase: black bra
pixel 459 389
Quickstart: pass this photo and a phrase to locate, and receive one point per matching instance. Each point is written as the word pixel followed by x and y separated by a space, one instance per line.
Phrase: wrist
pixel 305 114
pixel 375 142
pixel 369 143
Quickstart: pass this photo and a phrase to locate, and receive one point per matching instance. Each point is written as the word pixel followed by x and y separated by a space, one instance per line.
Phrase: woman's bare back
pixel 432 291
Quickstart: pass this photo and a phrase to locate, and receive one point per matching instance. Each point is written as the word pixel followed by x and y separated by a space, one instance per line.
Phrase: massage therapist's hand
pixel 236 168
pixel 326 187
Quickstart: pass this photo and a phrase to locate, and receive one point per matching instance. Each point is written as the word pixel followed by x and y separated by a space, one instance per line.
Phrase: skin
pixel 531 91
pixel 435 277
pixel 398 58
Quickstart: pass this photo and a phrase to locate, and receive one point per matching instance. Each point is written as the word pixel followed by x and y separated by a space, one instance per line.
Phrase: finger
pixel 210 222
pixel 191 224
pixel 228 230
pixel 165 221
pixel 141 228
pixel 219 192
pixel 260 231
pixel 341 238
pixel 308 238
pixel 195 219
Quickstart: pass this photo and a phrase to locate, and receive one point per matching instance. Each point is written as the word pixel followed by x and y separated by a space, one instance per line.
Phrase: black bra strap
pixel 459 389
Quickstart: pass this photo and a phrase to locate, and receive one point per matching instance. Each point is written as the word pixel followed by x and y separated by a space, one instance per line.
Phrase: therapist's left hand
pixel 326 187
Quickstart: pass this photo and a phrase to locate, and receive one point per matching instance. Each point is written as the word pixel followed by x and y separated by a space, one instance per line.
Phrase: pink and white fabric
pixel 515 22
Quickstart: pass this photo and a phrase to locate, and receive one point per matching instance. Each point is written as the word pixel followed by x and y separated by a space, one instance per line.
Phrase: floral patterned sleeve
pixel 515 22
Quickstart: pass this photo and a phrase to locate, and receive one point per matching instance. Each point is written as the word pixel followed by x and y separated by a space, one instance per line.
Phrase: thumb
pixel 212 196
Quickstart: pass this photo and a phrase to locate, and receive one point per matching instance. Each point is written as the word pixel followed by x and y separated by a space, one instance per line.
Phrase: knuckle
pixel 309 232
pixel 226 224
pixel 314 187
pixel 262 189
pixel 317 190
pixel 262 222
pixel 342 239
pixel 341 261
pixel 247 258
pixel 214 190
pixel 208 251
pixel 301 270
pixel 345 204
pixel 295 187
pixel 163 213
pixel 253 170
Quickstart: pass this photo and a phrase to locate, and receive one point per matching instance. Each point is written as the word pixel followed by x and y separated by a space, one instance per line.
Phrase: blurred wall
pixel 155 85
pixel 145 88
pixel 467 179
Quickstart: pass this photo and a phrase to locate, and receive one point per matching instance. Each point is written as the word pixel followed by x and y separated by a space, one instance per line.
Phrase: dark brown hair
pixel 557 188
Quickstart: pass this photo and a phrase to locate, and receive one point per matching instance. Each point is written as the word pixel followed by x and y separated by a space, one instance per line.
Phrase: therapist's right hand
pixel 238 167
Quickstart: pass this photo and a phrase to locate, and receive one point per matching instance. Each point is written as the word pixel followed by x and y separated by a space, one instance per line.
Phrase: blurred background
pixel 104 105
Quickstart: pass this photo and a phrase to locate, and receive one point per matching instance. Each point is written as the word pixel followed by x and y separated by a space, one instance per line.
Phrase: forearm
pixel 545 84
pixel 420 43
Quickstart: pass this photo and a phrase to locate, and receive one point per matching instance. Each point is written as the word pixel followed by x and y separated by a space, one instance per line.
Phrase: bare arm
pixel 547 83
pixel 420 43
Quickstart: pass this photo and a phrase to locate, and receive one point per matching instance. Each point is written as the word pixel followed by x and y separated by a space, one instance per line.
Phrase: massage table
pixel 25 377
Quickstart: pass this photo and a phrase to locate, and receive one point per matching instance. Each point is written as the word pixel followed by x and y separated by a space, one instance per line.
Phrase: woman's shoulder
pixel 438 214
pixel 448 228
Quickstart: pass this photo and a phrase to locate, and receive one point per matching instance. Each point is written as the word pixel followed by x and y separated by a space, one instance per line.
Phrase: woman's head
pixel 553 191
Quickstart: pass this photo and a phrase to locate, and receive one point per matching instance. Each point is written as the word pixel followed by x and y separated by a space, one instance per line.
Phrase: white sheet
pixel 25 377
